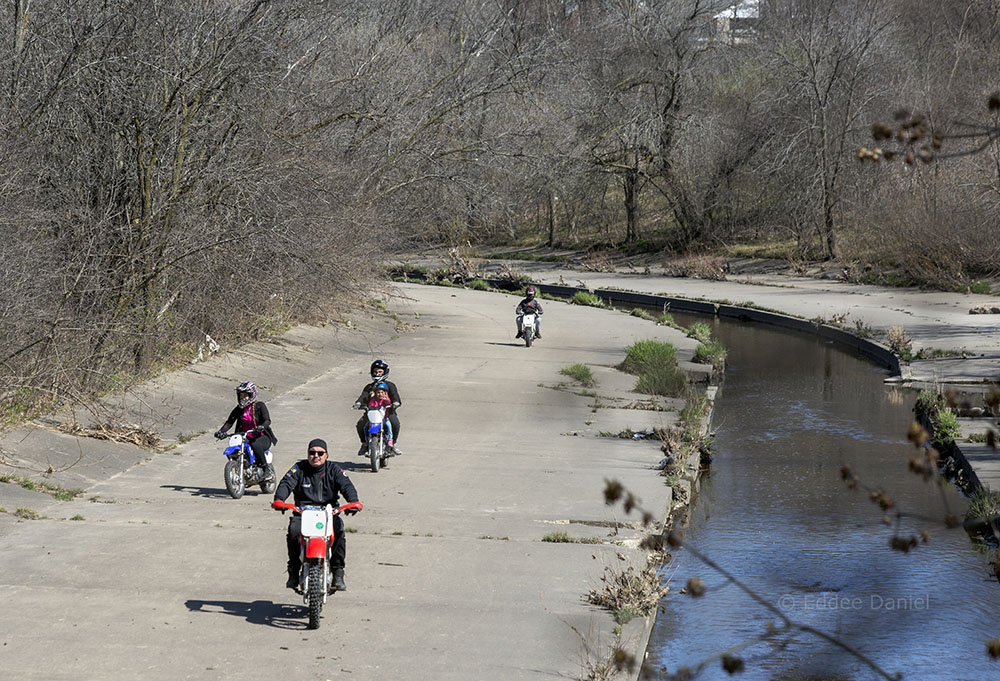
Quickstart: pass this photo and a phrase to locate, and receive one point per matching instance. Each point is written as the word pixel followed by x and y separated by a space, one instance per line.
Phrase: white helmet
pixel 246 388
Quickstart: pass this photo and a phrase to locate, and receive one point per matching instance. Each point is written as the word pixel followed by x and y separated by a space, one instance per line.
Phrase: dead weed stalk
pixel 133 435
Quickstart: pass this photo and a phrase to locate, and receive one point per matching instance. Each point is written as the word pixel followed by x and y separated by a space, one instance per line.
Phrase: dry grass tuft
pixel 697 267
pixel 629 590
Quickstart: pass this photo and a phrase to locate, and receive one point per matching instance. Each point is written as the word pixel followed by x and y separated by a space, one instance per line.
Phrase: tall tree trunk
pixel 631 186
pixel 552 221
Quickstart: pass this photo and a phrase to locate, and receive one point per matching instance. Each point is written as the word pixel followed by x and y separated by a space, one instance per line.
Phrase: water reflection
pixel 775 513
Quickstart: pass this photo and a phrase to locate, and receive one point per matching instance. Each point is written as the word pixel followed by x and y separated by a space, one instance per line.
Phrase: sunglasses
pixel 316 452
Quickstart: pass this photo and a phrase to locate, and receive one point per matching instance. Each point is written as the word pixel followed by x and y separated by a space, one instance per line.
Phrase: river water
pixel 774 512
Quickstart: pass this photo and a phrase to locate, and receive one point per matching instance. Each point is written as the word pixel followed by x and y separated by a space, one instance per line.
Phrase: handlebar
pixel 279 505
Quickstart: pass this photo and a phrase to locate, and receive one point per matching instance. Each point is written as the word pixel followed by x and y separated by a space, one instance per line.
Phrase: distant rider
pixel 379 372
pixel 529 304
pixel 316 481
pixel 252 420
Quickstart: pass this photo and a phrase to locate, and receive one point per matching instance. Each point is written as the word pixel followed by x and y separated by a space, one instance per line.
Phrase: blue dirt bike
pixel 377 436
pixel 243 470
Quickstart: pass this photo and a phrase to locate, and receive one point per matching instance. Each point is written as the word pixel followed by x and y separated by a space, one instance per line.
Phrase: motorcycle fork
pixel 304 570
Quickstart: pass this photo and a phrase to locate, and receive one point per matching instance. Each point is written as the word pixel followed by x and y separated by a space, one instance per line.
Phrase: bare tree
pixel 828 52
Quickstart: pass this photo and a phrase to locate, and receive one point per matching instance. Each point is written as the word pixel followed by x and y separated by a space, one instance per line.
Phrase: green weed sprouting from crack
pixel 654 363
pixel 586 298
pixel 713 353
pixel 580 373
pixel 564 538
pixel 983 504
pixel 700 331
pixel 57 492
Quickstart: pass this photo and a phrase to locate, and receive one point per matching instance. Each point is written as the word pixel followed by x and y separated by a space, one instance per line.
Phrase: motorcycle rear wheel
pixel 315 592
pixel 234 479
pixel 374 444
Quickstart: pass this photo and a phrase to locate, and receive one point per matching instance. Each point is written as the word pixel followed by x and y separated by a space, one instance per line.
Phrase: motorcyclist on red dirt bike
pixel 316 481
pixel 379 372
pixel 529 304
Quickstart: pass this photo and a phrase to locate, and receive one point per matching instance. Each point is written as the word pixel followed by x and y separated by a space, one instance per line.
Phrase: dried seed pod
pixel 695 587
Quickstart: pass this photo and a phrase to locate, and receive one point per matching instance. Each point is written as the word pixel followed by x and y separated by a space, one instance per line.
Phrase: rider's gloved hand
pixel 395 405
pixel 220 435
pixel 357 405
pixel 275 505
pixel 351 511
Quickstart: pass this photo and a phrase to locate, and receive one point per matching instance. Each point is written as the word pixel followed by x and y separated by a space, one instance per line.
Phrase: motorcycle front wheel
pixel 374 455
pixel 270 482
pixel 234 479
pixel 315 592
pixel 528 333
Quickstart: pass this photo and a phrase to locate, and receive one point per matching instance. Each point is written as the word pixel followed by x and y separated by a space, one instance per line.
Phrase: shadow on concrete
pixel 210 492
pixel 355 466
pixel 519 344
pixel 267 613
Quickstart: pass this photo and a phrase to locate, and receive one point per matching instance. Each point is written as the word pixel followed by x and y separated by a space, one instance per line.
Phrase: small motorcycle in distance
pixel 242 470
pixel 315 546
pixel 528 327
pixel 376 437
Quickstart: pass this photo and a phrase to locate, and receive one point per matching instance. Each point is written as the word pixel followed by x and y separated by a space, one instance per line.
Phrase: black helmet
pixel 530 292
pixel 250 389
pixel 379 364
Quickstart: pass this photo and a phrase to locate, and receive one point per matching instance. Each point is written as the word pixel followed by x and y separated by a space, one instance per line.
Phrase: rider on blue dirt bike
pixel 252 419
pixel 379 372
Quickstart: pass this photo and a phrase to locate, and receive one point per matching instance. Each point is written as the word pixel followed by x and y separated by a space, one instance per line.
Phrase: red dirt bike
pixel 315 545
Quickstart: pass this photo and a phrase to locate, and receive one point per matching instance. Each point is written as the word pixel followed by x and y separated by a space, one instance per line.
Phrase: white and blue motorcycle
pixel 244 470
pixel 377 435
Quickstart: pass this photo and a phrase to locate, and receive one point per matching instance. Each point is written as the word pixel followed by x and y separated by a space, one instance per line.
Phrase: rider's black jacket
pixel 529 304
pixel 316 486
pixel 261 419
pixel 366 395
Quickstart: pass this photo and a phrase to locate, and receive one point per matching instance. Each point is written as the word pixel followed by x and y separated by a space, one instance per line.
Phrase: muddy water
pixel 774 512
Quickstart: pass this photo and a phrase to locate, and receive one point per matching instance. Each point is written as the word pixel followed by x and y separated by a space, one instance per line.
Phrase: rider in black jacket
pixel 379 371
pixel 529 304
pixel 317 481
pixel 251 418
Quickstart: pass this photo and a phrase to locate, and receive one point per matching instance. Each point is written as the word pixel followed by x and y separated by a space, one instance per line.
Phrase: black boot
pixel 293 577
pixel 338 580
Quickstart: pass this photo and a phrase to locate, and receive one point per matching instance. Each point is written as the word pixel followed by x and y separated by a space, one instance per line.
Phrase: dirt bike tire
pixel 528 335
pixel 271 483
pixel 234 480
pixel 373 453
pixel 315 593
